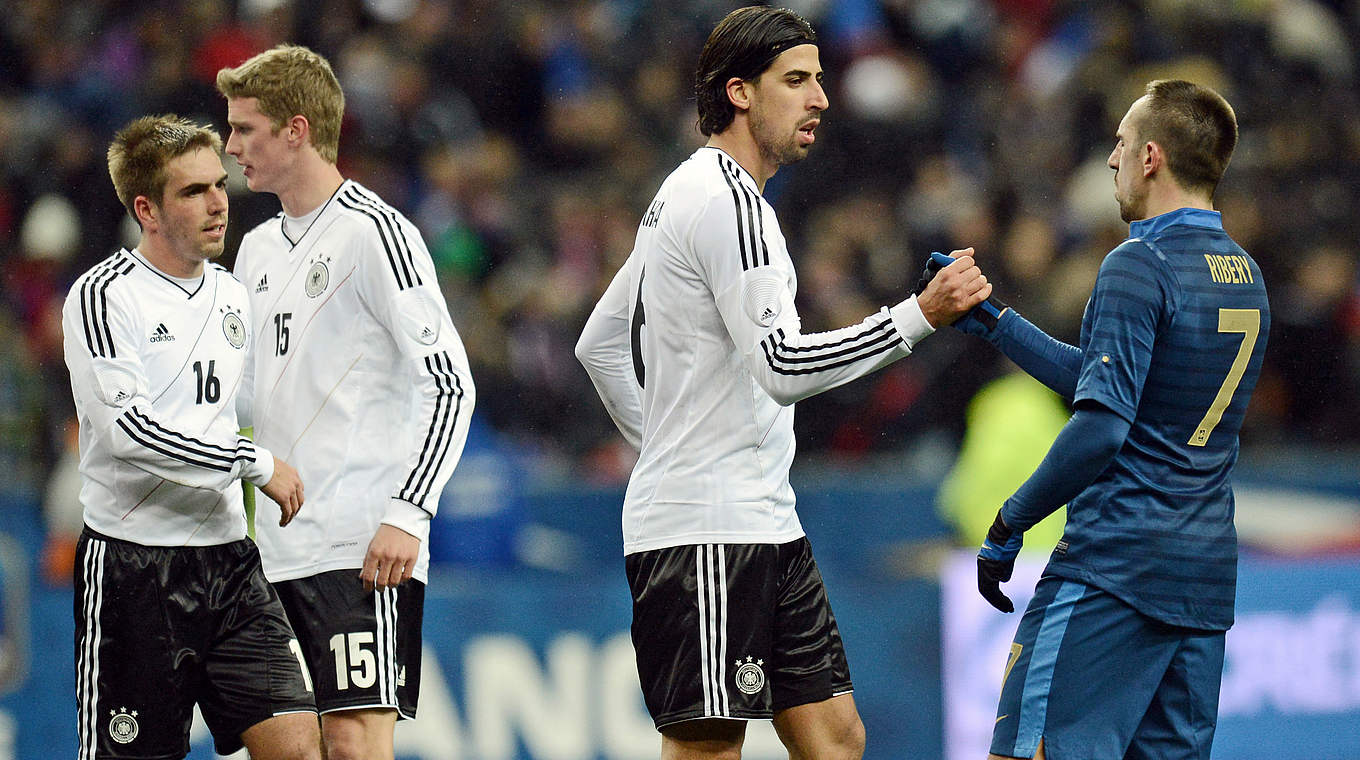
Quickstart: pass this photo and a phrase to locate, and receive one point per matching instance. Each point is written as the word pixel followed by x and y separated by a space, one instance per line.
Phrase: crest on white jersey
pixel 318 277
pixel 123 726
pixel 233 327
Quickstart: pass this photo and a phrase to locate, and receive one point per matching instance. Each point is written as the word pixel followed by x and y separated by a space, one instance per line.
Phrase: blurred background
pixel 527 137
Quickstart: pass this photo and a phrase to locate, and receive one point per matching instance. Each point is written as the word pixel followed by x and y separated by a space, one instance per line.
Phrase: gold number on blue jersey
pixel 1247 322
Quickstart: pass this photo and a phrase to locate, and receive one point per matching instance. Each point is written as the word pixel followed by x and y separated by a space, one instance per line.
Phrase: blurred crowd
pixel 526 138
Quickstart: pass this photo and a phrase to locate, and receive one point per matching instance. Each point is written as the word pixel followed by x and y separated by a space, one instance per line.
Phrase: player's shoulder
pixel 362 205
pixel 109 274
pixel 707 177
pixel 263 233
pixel 225 279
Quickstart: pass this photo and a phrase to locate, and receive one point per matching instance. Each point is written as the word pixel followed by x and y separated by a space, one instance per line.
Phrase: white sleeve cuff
pixel 408 517
pixel 261 471
pixel 911 324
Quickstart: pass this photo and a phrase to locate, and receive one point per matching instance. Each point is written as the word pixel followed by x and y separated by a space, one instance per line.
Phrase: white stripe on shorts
pixel 87 665
pixel 711 588
pixel 385 617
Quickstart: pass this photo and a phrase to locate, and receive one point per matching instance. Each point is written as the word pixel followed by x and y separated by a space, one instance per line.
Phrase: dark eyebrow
pixel 198 187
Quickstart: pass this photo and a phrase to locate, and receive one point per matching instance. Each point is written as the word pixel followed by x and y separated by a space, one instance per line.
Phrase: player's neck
pixel 1163 199
pixel 313 184
pixel 158 253
pixel 737 142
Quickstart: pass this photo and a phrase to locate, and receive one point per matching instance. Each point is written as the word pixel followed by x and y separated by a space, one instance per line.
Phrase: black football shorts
pixel 161 628
pixel 363 647
pixel 733 631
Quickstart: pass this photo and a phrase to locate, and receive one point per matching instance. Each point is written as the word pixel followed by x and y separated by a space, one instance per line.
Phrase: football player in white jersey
pixel 361 380
pixel 172 606
pixel 697 350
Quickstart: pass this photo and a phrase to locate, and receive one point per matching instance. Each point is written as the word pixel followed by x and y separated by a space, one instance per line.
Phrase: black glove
pixel 996 562
pixel 981 319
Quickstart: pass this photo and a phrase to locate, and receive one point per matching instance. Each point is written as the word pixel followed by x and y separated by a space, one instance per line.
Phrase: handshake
pixel 980 319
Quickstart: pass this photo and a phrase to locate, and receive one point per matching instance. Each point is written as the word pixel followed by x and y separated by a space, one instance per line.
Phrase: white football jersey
pixel 360 380
pixel 696 349
pixel 156 363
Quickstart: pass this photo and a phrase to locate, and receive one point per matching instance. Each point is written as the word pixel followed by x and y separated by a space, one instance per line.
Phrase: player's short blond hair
pixel 141 151
pixel 288 81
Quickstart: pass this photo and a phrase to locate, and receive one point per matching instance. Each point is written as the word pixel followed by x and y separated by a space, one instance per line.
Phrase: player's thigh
pixel 1084 667
pixel 703 739
pixel 363 647
pixel 703 620
pixel 1180 722
pixel 134 696
pixel 294 736
pixel 253 671
pixel 830 729
pixel 362 733
pixel 806 663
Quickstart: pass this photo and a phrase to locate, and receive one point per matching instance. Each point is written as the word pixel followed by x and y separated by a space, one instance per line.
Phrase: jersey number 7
pixel 1247 322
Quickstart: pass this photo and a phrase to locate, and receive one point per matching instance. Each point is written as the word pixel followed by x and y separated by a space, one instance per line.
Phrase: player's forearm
pixel 1082 451
pixel 604 351
pixel 447 396
pixel 792 366
pixel 141 438
pixel 1050 361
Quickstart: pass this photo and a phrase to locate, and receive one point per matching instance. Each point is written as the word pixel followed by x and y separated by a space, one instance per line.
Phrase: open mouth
pixel 806 132
pixel 216 230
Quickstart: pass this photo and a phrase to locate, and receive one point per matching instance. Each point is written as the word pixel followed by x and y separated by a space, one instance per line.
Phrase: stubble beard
pixel 780 151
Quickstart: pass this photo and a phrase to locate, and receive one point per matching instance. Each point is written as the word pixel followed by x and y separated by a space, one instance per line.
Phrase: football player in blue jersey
pixel 1139 592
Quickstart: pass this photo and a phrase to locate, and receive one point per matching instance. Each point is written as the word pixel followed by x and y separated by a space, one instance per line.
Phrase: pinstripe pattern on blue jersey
pixel 1157 527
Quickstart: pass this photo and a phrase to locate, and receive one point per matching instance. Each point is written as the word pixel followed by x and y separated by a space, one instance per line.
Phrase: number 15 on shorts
pixel 355 661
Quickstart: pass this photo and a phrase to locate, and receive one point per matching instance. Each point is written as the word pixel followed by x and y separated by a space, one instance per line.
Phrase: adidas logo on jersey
pixel 162 334
pixel 263 285
pixel 401 676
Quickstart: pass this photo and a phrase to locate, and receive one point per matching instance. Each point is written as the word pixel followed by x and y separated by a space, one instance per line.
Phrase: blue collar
pixel 1194 217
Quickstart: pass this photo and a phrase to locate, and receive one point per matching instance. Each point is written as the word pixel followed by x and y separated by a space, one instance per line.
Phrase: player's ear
pixel 1153 158
pixel 299 130
pixel 148 215
pixel 739 92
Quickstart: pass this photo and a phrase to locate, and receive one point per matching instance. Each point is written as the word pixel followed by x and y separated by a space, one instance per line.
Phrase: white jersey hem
pixel 694 539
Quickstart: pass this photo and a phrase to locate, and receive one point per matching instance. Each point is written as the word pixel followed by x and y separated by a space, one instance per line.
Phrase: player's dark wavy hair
pixel 742 45
pixel 1195 126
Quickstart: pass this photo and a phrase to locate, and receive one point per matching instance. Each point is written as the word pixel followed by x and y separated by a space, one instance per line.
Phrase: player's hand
pixel 953 290
pixel 996 562
pixel 285 488
pixel 981 319
pixel 391 558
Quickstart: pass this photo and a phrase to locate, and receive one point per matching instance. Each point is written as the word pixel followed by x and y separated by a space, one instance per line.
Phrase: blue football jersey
pixel 1172 340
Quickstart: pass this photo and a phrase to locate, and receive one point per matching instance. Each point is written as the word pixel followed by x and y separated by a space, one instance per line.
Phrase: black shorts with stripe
pixel 733 631
pixel 159 629
pixel 363 647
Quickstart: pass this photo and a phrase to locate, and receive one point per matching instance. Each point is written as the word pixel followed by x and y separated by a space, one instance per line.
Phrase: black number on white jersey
pixel 209 386
pixel 281 332
pixel 639 319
